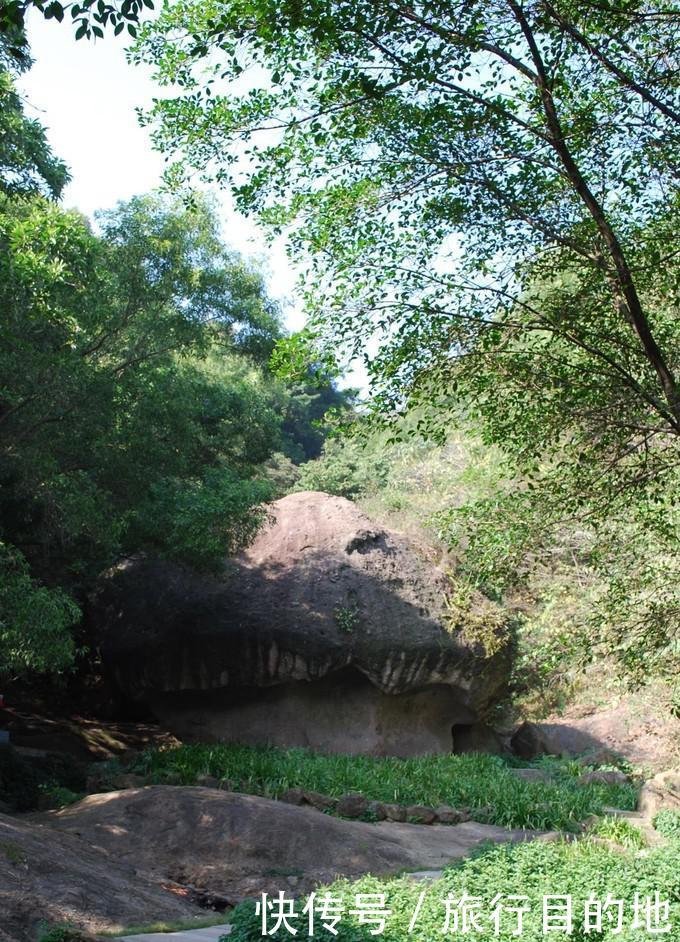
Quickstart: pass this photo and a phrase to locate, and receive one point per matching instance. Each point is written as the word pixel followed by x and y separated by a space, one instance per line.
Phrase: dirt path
pixel 213 934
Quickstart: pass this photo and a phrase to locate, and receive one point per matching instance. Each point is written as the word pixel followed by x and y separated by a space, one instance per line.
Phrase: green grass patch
pixel 56 796
pixel 532 870
pixel 484 784
pixel 12 853
pixel 620 831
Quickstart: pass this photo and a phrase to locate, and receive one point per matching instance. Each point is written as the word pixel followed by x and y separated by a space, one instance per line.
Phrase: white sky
pixel 85 93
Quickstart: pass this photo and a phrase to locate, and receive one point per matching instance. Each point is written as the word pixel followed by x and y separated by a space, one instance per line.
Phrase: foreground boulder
pixel 52 877
pixel 329 632
pixel 238 846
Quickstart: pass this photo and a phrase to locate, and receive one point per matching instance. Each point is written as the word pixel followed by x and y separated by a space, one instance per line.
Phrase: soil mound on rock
pixel 56 877
pixel 237 845
pixel 328 632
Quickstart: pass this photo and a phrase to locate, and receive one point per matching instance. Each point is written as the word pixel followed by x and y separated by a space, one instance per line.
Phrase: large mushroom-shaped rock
pixel 328 632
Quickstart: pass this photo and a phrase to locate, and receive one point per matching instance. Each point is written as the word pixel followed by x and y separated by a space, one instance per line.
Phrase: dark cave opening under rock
pixel 476 737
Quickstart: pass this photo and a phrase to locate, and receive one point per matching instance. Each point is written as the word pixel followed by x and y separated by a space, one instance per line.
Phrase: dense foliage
pixel 27 164
pixel 667 823
pixel 125 382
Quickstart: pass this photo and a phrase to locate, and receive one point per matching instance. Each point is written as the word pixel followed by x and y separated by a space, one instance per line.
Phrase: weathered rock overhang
pixel 341 713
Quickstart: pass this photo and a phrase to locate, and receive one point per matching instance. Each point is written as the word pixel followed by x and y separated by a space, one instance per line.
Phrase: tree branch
pixel 625 285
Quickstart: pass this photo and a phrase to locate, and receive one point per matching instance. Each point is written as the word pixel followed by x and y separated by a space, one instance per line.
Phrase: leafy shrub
pixel 61 934
pixel 35 621
pixel 191 516
pixel 56 796
pixel 346 468
pixel 24 781
pixel 667 823
pixel 281 473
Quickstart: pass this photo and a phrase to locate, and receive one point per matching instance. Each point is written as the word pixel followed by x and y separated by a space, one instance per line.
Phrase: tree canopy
pixel 89 17
pixel 27 164
pixel 520 129
pixel 488 196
